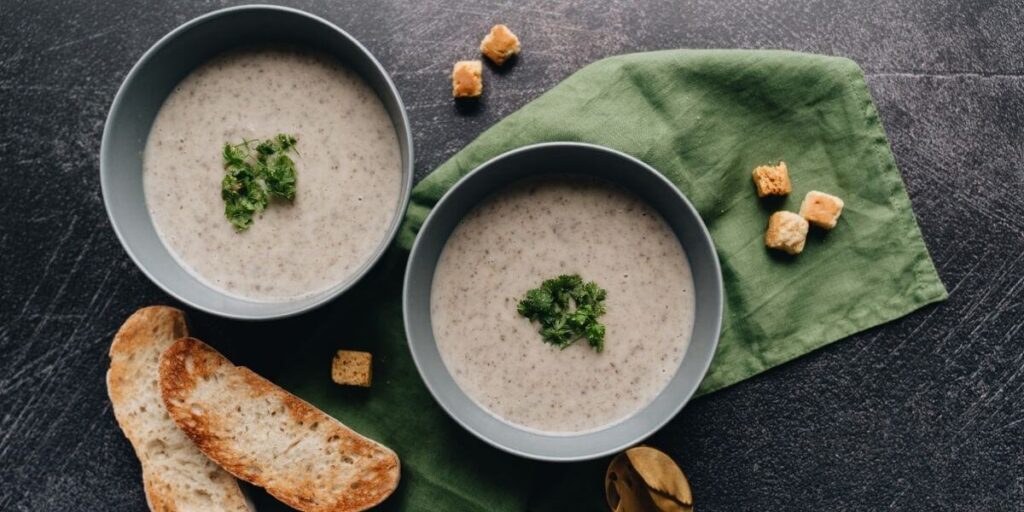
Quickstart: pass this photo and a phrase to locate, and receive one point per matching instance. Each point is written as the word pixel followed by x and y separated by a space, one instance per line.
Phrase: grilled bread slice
pixel 271 438
pixel 175 474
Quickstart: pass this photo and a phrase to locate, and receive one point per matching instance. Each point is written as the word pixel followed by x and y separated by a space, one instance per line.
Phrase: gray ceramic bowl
pixel 142 94
pixel 561 158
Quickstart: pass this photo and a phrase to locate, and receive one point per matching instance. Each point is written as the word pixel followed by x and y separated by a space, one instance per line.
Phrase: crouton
pixel 787 232
pixel 467 79
pixel 772 180
pixel 821 209
pixel 500 44
pixel 352 368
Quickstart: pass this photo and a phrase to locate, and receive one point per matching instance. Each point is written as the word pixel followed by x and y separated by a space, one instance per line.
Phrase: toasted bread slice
pixel 267 436
pixel 175 474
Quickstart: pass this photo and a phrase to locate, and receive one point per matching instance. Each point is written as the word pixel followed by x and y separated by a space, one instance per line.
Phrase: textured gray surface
pixel 924 413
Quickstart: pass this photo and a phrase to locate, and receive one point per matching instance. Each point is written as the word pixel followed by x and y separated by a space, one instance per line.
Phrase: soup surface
pixel 535 230
pixel 348 172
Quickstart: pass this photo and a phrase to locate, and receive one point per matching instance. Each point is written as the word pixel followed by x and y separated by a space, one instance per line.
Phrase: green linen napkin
pixel 705 119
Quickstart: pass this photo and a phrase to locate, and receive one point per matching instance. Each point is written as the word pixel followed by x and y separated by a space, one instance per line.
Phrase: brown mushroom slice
pixel 644 479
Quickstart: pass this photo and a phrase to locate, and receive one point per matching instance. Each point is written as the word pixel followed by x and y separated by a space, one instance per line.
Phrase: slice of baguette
pixel 175 474
pixel 271 438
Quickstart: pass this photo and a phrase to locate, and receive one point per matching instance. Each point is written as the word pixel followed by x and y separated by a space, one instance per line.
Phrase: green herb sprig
pixel 567 309
pixel 255 172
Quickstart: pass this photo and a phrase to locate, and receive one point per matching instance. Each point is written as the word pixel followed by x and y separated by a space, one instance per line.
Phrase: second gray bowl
pixel 564 158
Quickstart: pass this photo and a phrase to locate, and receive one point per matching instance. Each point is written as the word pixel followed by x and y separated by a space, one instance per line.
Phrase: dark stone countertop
pixel 925 413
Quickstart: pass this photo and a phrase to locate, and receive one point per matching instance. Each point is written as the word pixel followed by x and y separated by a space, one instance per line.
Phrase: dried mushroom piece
pixel 644 479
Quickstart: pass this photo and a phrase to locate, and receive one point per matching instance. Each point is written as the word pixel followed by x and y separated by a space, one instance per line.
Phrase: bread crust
pixel 264 435
pixel 159 444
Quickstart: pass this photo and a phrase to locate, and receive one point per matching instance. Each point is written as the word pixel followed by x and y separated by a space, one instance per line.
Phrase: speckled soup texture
pixel 348 172
pixel 536 230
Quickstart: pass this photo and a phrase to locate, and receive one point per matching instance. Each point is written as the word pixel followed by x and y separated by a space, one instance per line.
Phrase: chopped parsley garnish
pixel 567 309
pixel 255 172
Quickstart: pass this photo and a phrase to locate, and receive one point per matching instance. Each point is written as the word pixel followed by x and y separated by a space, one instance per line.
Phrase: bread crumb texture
pixel 467 79
pixel 500 44
pixel 352 368
pixel 772 180
pixel 786 232
pixel 821 209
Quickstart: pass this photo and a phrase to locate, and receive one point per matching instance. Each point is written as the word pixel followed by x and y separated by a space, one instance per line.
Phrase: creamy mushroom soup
pixel 347 167
pixel 538 229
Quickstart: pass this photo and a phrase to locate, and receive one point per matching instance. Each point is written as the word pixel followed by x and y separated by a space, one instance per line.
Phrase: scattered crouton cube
pixel 821 209
pixel 352 368
pixel 467 79
pixel 772 180
pixel 500 44
pixel 787 232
